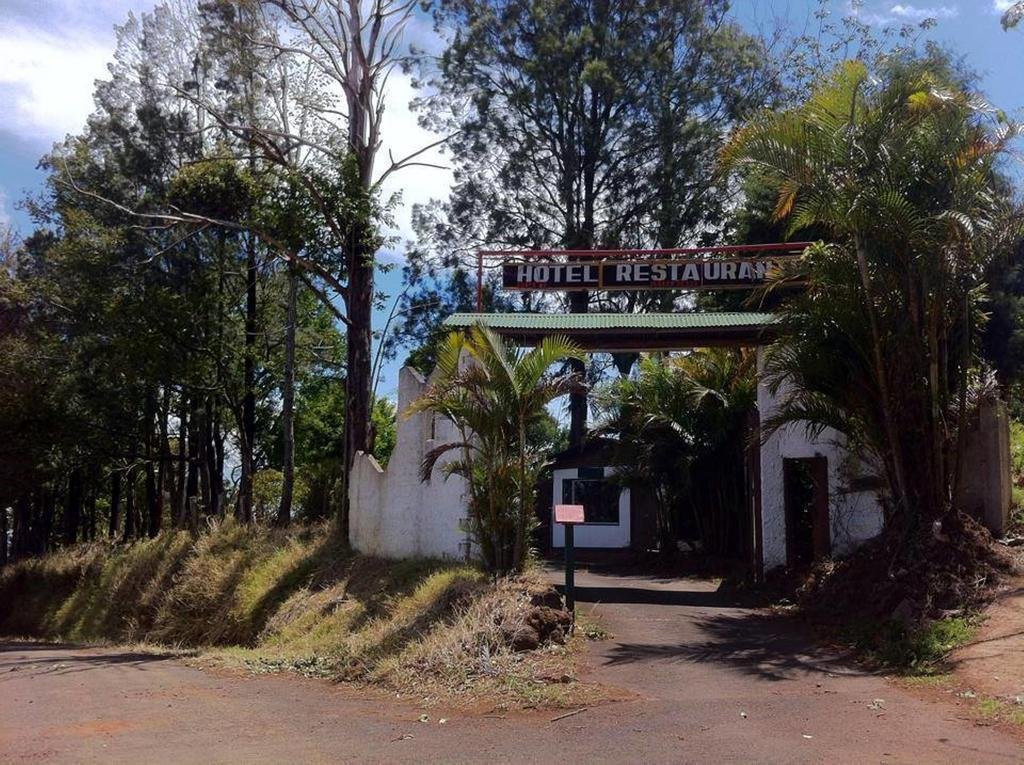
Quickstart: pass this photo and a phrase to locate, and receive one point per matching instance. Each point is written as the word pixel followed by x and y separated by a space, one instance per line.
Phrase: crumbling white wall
pixel 395 515
pixel 854 516
pixel 391 512
pixel 986 488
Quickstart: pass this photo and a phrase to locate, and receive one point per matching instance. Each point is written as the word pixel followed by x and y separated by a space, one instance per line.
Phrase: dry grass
pixel 298 600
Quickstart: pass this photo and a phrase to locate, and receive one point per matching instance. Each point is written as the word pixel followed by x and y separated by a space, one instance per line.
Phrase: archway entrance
pixel 620 520
pixel 829 506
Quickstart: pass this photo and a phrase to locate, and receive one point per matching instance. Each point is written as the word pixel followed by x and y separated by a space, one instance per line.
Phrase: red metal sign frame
pixel 789 248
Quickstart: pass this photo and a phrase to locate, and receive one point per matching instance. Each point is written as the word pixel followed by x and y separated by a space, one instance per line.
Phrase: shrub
pixel 913 649
pixel 495 394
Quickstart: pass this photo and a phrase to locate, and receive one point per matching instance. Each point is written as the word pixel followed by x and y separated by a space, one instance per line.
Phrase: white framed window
pixel 606 505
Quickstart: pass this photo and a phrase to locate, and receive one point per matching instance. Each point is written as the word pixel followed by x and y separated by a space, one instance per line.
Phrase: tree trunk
pixel 156 509
pixel 284 510
pixel 248 434
pixel 91 490
pixel 583 236
pixel 357 381
pixel 47 509
pixel 200 430
pixel 3 536
pixel 21 526
pixel 149 473
pixel 90 515
pixel 192 473
pixel 363 143
pixel 206 459
pixel 152 501
pixel 115 503
pixel 180 499
pixel 578 302
pixel 164 479
pixel 149 466
pixel 216 458
pixel 73 508
pixel 129 506
pixel 898 478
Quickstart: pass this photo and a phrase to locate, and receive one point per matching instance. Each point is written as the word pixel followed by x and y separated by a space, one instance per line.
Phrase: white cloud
pixel 401 136
pixel 53 51
pixel 904 13
pixel 920 13
pixel 5 217
pixel 71 14
pixel 1002 5
pixel 47 81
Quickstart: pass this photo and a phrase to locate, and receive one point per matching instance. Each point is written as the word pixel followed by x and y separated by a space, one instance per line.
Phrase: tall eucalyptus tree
pixel 583 124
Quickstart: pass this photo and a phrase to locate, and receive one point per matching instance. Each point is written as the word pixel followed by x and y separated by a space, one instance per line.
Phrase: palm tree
pixel 900 171
pixel 678 419
pixel 494 393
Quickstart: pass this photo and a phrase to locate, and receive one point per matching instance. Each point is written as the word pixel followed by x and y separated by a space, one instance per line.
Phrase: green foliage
pixel 319 442
pixel 547 434
pixel 1015 526
pixel 680 426
pixel 153 297
pixel 494 394
pixel 266 492
pixel 385 428
pixel 900 173
pixel 1003 339
pixel 220 189
pixel 917 650
pixel 1017 452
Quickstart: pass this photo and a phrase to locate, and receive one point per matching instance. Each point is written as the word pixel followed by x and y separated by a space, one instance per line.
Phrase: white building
pixel 811 498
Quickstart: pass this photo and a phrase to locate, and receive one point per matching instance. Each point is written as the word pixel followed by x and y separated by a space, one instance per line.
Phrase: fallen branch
pixel 568 714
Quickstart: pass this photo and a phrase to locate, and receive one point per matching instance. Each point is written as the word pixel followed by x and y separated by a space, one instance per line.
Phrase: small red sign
pixel 569 514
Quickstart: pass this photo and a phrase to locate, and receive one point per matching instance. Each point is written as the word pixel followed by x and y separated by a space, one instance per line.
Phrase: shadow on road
pixel 698 598
pixel 35 664
pixel 7 646
pixel 762 645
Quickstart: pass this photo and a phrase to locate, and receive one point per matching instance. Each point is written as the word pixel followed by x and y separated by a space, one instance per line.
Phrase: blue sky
pixel 51 51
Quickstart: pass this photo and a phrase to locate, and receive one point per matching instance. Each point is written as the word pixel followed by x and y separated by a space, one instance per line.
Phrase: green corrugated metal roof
pixel 562 322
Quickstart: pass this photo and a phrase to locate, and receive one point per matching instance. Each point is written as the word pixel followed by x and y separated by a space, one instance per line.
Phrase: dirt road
pixel 993 663
pixel 713 683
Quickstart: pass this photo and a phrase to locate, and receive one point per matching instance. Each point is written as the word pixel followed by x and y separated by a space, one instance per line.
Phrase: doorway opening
pixel 805 483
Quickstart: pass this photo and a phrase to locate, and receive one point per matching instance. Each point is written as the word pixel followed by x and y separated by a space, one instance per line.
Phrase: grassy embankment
pixel 296 600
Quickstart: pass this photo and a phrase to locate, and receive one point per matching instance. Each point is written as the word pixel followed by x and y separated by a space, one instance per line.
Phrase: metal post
pixel 570 573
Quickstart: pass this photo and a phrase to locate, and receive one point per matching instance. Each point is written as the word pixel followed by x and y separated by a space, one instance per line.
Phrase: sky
pixel 52 52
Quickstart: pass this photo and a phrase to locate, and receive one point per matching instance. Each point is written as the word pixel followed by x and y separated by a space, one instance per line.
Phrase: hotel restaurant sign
pixel 691 274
